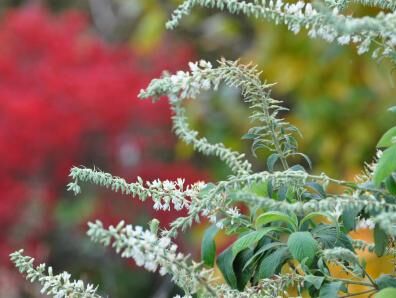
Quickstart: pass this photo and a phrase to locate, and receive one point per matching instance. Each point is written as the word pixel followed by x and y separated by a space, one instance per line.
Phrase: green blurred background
pixel 337 98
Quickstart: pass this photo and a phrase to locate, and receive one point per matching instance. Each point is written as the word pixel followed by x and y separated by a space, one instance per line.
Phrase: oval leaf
pixel 225 261
pixel 273 263
pixel 303 246
pixel 208 246
pixel 380 240
pixel 271 161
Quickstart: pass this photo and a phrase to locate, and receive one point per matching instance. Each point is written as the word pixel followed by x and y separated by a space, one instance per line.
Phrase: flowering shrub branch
pixel 282 239
pixel 321 21
pixel 58 286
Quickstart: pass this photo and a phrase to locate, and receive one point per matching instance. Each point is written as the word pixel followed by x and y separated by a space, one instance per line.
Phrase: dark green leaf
pixel 302 245
pixel 386 281
pixel 349 216
pixel 273 263
pixel 380 240
pixel 251 238
pixel 297 168
pixel 386 139
pixel 208 246
pixel 307 159
pixel 243 273
pixel 225 263
pixel 271 161
pixel 330 290
pixel 262 250
pixel 390 184
pixel 282 192
pixel 329 236
pixel 270 188
pixel 386 165
pixel 316 281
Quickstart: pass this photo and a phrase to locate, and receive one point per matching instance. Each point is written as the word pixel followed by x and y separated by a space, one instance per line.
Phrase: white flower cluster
pixel 153 253
pixel 182 85
pixel 365 223
pixel 163 193
pixel 59 286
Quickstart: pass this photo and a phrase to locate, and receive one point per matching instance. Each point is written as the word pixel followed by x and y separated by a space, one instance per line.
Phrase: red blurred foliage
pixel 68 98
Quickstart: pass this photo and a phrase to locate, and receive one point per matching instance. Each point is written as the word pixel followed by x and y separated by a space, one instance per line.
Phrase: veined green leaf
pixel 303 246
pixel 272 263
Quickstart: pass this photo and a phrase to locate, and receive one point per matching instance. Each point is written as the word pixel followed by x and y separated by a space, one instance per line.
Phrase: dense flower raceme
pixel 63 92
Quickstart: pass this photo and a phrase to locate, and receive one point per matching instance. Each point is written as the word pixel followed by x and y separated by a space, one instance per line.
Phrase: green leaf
pixel 225 263
pixel 262 250
pixel 386 281
pixel 274 216
pixel 330 290
pixel 243 273
pixel 316 281
pixel 386 293
pixel 386 139
pixel 259 188
pixel 271 161
pixel 251 238
pixel 317 188
pixel 329 236
pixel 390 184
pixel 386 165
pixel 303 246
pixel 380 240
pixel 208 246
pixel 273 263
pixel 349 215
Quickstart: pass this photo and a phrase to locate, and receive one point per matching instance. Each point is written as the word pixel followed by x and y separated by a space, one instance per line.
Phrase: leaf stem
pixel 357 294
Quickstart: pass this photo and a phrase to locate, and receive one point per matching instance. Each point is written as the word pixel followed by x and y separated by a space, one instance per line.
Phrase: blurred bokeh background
pixel 70 72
